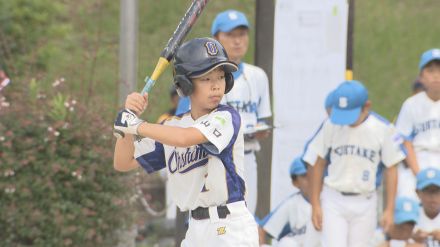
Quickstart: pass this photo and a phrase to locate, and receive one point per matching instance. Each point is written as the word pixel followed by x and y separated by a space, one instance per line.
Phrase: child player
pixel 290 222
pixel 419 122
pixel 427 230
pixel 201 150
pixel 355 141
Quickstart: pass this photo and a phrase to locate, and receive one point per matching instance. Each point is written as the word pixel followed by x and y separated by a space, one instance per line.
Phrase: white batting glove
pixel 126 123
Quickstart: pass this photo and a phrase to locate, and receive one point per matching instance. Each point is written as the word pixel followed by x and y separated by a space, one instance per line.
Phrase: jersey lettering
pixel 217 133
pixel 186 161
pixel 205 123
pixel 427 126
pixel 242 106
pixel 299 231
pixel 357 151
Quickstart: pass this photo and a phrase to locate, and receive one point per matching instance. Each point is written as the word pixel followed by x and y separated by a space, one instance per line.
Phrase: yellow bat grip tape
pixel 161 65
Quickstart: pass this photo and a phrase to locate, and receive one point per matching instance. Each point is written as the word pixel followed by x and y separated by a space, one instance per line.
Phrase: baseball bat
pixel 179 35
pixel 169 51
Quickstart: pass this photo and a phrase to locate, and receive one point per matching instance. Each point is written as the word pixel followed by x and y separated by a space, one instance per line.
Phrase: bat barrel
pixel 183 28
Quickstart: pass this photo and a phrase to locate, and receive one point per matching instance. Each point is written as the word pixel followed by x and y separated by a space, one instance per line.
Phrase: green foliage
pixel 389 38
pixel 58 186
pixel 28 30
pixel 58 108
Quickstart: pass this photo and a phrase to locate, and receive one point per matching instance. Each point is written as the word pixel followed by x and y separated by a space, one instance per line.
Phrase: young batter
pixel 201 150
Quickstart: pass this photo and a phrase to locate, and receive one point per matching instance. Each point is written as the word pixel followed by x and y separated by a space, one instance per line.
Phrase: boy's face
pixel 430 197
pixel 302 183
pixel 430 76
pixel 209 89
pixel 364 114
pixel 235 42
pixel 402 231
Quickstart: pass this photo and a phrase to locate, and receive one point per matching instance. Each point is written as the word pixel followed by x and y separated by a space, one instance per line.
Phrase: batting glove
pixel 126 123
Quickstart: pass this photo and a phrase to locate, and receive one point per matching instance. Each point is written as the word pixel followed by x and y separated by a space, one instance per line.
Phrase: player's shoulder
pixel 327 125
pixel 225 109
pixel 415 99
pixel 254 70
pixel 226 113
pixel 293 198
pixel 380 124
pixel 378 119
pixel 176 119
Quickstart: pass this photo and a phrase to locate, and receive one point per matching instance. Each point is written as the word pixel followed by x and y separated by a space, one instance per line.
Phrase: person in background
pixel 174 99
pixel 250 95
pixel 427 229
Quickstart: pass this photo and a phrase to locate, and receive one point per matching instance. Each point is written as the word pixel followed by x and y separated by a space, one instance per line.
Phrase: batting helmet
pixel 197 57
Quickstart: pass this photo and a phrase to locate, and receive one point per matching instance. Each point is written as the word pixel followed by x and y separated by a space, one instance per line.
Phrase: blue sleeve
pixel 153 161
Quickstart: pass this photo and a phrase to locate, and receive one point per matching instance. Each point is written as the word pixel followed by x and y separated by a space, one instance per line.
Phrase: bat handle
pixel 149 83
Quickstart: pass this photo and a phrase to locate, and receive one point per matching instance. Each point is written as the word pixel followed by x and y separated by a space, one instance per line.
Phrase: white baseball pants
pixel 348 221
pixel 238 229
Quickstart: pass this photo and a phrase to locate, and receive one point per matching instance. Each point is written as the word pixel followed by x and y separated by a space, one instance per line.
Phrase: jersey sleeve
pixel 309 155
pixel 392 148
pixel 150 154
pixel 264 109
pixel 405 122
pixel 320 143
pixel 220 128
pixel 276 222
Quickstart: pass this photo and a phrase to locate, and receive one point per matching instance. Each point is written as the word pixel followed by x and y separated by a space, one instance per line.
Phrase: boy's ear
pixel 294 182
pixel 367 105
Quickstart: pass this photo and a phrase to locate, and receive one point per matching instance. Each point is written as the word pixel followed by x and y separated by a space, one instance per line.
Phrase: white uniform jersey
pixel 292 218
pixel 355 154
pixel 419 122
pixel 309 155
pixel 202 175
pixel 428 225
pixel 250 97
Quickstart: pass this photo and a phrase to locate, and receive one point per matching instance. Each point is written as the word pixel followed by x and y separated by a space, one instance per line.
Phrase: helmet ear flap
pixel 184 86
pixel 229 78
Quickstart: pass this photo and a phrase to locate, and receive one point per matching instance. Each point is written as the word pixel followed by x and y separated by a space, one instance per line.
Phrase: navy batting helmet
pixel 198 57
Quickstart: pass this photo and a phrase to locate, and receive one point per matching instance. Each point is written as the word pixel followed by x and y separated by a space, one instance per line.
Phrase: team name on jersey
pixel 427 126
pixel 357 151
pixel 299 231
pixel 183 162
pixel 242 106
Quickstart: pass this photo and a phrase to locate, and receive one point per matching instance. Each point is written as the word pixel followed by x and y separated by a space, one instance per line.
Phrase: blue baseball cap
pixel 406 210
pixel 427 177
pixel 329 100
pixel 428 56
pixel 297 167
pixel 228 20
pixel 348 99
